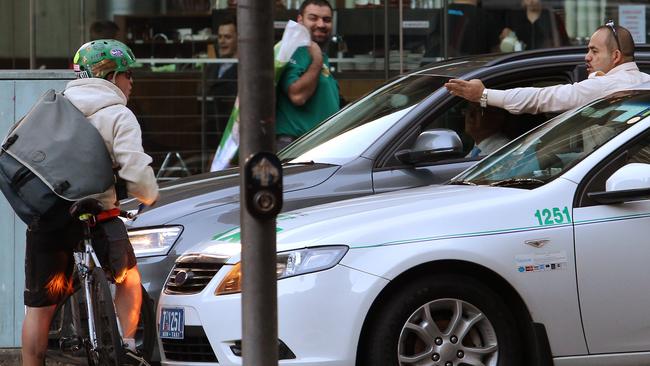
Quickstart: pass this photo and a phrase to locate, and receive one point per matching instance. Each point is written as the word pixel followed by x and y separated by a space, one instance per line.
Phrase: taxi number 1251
pixel 553 216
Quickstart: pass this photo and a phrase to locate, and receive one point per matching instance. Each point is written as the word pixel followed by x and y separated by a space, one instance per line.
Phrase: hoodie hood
pixel 104 105
pixel 92 94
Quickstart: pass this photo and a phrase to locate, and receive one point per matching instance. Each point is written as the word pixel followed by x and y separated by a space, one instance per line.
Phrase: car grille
pixel 194 347
pixel 192 273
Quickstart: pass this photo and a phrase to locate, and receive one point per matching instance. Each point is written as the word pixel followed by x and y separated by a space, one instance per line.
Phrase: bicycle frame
pixel 84 261
pixel 86 326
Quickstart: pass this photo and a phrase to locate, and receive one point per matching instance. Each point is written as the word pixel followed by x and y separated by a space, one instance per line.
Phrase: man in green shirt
pixel 307 92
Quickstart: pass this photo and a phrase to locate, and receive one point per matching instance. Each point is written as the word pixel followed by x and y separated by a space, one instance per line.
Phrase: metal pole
pixel 257 134
pixel 32 34
pixel 401 38
pixel 204 117
pixel 386 41
pixel 13 38
pixel 445 31
pixel 82 21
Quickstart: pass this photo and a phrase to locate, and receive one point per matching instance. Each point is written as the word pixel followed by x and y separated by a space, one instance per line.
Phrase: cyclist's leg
pixel 48 267
pixel 116 254
pixel 128 297
pixel 35 332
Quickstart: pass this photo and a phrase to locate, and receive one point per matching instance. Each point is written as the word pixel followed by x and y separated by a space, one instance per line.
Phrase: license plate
pixel 172 323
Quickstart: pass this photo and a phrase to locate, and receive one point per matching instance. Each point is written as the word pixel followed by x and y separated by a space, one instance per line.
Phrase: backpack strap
pixel 61 187
pixel 10 141
pixel 22 176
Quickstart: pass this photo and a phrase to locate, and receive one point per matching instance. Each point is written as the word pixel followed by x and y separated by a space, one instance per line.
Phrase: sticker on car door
pixel 541 262
pixel 553 216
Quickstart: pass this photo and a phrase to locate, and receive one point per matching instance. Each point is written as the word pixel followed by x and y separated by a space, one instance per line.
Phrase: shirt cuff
pixel 496 98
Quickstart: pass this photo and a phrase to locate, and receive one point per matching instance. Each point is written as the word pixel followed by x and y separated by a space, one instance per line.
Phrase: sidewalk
pixel 11 357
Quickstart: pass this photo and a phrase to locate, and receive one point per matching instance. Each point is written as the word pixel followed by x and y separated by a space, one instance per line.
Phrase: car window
pixel 498 121
pixel 638 151
pixel 550 150
pixel 386 104
pixel 338 149
pixel 643 66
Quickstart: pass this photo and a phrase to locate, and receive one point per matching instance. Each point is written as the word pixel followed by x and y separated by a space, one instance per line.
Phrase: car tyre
pixel 442 320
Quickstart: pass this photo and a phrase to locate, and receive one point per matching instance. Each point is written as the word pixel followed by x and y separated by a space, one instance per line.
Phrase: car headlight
pixel 154 241
pixel 289 264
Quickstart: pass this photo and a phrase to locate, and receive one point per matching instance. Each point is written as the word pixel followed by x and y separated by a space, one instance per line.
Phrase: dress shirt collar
pixel 628 66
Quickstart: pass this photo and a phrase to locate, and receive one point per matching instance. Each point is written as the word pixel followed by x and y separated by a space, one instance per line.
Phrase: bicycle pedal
pixel 70 344
pixel 134 358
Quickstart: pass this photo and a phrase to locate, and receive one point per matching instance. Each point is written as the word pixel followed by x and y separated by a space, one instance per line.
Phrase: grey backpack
pixel 50 158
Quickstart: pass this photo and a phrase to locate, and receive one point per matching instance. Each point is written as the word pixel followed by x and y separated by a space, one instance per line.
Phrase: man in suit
pixel 221 81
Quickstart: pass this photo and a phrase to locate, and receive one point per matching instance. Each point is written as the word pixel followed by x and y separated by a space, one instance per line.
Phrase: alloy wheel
pixel 448 332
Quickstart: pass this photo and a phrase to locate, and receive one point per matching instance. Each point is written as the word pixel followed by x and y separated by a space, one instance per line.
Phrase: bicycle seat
pixel 86 206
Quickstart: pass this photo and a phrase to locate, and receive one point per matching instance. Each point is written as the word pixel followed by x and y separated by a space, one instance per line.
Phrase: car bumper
pixel 320 316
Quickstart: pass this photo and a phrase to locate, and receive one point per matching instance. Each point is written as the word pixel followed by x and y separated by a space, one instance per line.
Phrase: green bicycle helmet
pixel 98 58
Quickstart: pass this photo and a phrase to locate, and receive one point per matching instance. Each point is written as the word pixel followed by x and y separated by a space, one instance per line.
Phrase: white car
pixel 537 255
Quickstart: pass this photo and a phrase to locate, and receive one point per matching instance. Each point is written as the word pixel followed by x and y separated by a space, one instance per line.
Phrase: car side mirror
pixel 432 145
pixel 629 183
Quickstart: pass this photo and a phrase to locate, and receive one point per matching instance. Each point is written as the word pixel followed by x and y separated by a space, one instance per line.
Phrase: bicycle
pixel 85 329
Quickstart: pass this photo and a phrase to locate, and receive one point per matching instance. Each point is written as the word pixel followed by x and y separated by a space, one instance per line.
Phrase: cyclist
pixel 101 92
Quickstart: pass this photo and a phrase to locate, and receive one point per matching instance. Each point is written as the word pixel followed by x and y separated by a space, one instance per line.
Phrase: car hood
pixel 408 216
pixel 199 192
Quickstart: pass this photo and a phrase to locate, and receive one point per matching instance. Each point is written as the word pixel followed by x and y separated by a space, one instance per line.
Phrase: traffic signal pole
pixel 261 182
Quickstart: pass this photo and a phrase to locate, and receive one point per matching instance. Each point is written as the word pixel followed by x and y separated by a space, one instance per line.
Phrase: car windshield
pixel 348 133
pixel 547 152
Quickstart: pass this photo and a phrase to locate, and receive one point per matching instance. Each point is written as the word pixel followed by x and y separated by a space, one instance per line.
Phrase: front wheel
pixel 109 342
pixel 69 328
pixel 442 320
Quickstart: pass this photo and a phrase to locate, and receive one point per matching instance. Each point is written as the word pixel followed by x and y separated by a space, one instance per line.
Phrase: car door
pixel 391 174
pixel 612 261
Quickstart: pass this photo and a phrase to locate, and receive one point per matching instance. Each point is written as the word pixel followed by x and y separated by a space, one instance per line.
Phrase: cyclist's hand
pixel 142 205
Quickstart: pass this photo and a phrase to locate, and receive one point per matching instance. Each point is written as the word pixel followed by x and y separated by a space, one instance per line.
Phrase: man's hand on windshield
pixel 470 90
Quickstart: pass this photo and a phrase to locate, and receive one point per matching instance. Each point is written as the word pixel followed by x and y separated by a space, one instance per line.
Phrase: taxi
pixel 535 254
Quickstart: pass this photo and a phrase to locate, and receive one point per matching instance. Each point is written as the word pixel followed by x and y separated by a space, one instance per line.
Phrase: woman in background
pixel 535 27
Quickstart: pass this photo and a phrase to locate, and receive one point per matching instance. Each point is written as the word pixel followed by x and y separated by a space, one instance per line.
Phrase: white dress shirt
pixel 559 98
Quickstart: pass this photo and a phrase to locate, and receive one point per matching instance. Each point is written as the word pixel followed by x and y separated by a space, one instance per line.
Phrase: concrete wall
pixel 18 92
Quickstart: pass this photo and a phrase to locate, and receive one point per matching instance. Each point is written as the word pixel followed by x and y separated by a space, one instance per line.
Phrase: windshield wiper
pixel 518 182
pixel 462 182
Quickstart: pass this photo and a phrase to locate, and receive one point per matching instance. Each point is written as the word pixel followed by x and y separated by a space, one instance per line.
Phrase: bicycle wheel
pixel 69 330
pixel 70 326
pixel 145 335
pixel 109 342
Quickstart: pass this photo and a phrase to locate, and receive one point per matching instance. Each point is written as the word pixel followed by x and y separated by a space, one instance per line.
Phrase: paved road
pixel 11 357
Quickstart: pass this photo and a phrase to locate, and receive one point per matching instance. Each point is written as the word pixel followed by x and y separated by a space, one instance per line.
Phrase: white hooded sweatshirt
pixel 104 105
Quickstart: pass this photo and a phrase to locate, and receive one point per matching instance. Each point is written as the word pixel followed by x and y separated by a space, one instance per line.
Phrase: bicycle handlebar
pixel 127 214
pixel 130 214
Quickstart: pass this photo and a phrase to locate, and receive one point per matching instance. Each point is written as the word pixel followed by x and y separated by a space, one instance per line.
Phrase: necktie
pixel 475 152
